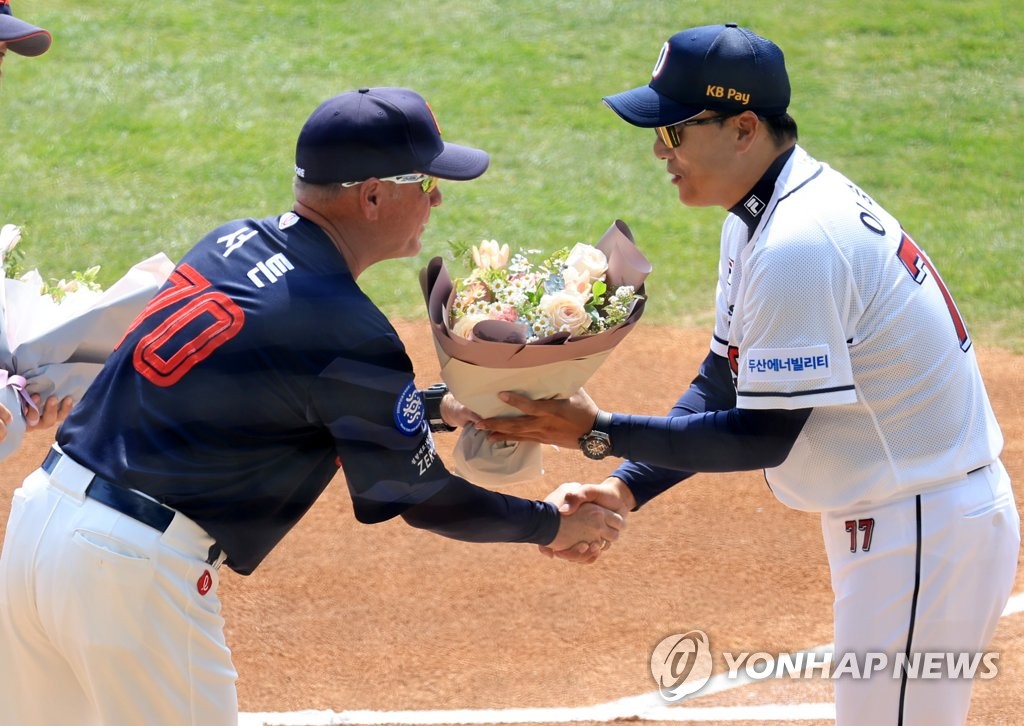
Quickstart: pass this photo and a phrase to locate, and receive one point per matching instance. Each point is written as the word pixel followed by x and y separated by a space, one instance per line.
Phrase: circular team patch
pixel 409 410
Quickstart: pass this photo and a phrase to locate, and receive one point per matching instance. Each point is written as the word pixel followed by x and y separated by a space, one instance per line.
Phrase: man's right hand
pixel 588 530
pixel 612 494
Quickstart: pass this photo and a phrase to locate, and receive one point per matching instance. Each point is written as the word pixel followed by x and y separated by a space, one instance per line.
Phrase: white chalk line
pixel 646 707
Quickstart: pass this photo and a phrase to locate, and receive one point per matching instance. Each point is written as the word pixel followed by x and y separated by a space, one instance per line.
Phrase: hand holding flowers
pixel 35 413
pixel 54 337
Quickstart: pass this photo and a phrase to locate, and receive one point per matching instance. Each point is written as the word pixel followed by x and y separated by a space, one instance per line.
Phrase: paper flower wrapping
pixel 55 338
pixel 538 329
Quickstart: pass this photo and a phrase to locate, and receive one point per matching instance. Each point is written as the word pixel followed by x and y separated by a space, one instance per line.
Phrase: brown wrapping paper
pixel 498 359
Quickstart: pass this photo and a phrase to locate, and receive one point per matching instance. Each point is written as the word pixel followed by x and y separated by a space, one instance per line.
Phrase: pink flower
pixel 489 256
pixel 576 282
pixel 476 290
pixel 507 312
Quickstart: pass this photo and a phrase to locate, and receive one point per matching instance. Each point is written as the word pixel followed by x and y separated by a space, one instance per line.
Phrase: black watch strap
pixel 432 407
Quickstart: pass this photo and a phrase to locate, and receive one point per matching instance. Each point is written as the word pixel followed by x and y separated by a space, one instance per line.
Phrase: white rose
pixel 587 259
pixel 489 256
pixel 565 310
pixel 464 326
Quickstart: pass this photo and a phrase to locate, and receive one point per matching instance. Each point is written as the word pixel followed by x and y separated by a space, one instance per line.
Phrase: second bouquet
pixel 55 337
pixel 537 328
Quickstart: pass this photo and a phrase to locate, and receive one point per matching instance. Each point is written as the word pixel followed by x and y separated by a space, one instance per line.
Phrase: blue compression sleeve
pixel 711 390
pixel 735 440
pixel 466 512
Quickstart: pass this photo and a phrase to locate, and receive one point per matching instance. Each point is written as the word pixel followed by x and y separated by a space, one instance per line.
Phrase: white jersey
pixel 832 306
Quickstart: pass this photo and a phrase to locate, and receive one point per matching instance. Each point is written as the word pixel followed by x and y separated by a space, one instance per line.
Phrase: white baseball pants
pixel 926 574
pixel 104 620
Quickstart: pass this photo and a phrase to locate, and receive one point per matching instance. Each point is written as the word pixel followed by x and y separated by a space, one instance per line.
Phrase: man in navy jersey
pixel 231 402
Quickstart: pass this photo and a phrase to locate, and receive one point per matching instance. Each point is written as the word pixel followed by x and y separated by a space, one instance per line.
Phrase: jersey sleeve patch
pixel 766 365
pixel 409 410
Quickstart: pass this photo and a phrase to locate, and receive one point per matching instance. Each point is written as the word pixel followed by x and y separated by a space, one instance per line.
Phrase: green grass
pixel 149 123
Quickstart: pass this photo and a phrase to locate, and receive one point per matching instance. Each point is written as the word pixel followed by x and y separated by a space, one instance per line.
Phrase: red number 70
pixel 164 367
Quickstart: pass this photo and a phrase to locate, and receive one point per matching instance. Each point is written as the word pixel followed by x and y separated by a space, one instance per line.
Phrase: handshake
pixel 593 516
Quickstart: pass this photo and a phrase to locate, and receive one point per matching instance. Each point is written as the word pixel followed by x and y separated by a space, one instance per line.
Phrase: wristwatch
pixel 432 407
pixel 597 444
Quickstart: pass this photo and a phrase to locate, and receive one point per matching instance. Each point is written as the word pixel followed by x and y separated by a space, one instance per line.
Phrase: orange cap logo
pixel 433 117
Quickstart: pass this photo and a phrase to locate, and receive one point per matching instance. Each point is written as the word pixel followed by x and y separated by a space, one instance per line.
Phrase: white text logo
pixel 236 239
pixel 823 664
pixel 681 665
pixel 272 269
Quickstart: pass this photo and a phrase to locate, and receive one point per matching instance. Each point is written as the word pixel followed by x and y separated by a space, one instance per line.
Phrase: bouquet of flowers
pixel 538 328
pixel 56 335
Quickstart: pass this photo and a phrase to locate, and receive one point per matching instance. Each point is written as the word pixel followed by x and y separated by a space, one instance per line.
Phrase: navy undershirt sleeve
pixel 711 390
pixel 703 432
pixel 466 512
pixel 735 440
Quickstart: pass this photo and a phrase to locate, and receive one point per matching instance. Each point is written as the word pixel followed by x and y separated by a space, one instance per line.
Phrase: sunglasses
pixel 427 183
pixel 672 136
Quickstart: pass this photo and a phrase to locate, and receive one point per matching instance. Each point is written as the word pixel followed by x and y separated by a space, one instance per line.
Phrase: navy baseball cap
pixel 722 68
pixel 21 37
pixel 379 132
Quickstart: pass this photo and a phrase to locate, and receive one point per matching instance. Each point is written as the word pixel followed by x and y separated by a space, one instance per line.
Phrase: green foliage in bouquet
pixel 13 255
pixel 58 289
pixel 564 293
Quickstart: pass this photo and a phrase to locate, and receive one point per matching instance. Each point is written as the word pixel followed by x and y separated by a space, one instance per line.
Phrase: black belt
pixel 127 502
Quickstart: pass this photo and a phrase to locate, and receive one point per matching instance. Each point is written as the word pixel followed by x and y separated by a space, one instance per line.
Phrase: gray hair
pixel 316 193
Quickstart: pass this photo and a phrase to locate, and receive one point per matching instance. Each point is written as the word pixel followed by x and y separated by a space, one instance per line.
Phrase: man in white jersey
pixel 839 364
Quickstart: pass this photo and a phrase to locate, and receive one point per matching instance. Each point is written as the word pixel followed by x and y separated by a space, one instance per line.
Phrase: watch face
pixel 595 445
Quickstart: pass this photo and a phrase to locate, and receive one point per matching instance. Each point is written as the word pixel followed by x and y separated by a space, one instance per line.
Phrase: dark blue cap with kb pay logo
pixel 722 68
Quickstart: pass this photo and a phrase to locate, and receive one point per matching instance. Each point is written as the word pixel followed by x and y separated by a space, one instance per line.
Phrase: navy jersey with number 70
pixel 257 368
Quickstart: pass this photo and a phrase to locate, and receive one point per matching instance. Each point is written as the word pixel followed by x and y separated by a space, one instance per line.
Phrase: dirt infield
pixel 344 616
